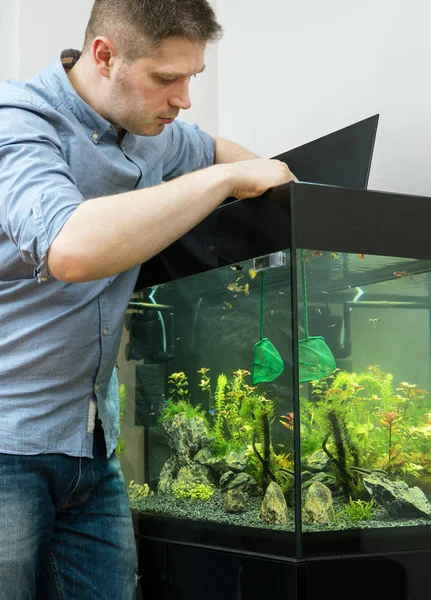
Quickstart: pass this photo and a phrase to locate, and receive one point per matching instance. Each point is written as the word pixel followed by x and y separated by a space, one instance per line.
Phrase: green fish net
pixel 315 357
pixel 267 362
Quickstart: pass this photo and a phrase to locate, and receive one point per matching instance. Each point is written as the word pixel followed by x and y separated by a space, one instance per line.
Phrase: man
pixel 84 147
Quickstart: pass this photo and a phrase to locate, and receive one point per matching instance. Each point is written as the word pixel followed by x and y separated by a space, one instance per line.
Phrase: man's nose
pixel 181 97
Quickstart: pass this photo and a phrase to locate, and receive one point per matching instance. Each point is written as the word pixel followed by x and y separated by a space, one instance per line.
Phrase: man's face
pixel 148 93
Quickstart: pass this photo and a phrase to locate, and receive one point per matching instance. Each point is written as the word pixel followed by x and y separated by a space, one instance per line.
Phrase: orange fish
pixel 401 274
pixel 361 256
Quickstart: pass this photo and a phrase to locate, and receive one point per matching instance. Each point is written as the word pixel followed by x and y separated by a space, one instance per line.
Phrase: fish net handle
pixel 262 303
pixel 304 293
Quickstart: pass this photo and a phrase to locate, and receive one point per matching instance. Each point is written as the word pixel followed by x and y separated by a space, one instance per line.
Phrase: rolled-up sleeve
pixel 188 149
pixel 38 193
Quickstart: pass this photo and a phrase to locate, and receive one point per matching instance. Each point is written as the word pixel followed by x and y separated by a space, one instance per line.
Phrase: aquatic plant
pixel 178 401
pixel 390 421
pixel 336 394
pixel 205 385
pixel 169 409
pixel 356 511
pixel 363 420
pixel 220 403
pixel 263 416
pixel 238 417
pixel 193 491
pixel 136 491
pixel 179 387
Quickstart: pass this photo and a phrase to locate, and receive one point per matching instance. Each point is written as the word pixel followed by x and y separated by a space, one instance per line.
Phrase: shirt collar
pixel 94 124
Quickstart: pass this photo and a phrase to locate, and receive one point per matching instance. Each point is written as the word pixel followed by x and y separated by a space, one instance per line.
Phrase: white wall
pixel 33 33
pixel 46 27
pixel 8 39
pixel 292 71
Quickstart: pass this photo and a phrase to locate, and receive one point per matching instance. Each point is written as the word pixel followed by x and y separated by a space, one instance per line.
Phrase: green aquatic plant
pixel 178 401
pixel 179 387
pixel 333 415
pixel 364 420
pixel 205 385
pixel 356 511
pixel 220 404
pixel 241 418
pixel 215 421
pixel 169 409
pixel 263 417
pixel 193 491
pixel 311 438
pixel 138 492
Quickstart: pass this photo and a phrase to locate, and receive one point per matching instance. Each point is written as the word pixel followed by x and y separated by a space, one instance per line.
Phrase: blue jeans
pixel 66 529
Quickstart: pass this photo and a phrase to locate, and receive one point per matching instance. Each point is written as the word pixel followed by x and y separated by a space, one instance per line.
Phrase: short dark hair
pixel 140 26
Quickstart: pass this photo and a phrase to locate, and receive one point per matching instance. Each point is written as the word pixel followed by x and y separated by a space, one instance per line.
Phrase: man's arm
pixel 227 152
pixel 108 235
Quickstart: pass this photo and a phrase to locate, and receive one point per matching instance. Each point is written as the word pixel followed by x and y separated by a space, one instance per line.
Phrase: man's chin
pixel 151 131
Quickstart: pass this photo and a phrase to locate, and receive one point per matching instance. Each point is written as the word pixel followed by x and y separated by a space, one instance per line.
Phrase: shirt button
pixel 211 248
pixel 95 136
pixel 96 388
pixel 105 331
pixel 44 278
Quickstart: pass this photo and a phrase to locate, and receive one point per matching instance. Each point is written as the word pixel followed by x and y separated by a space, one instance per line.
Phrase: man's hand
pixel 251 178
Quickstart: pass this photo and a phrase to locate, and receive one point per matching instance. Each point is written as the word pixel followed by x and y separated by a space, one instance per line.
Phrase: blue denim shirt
pixel 59 341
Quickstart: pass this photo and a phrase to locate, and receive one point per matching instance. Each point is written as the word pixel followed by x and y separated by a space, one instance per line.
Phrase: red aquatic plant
pixel 390 420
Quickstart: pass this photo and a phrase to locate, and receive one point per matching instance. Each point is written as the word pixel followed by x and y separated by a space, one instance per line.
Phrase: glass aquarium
pixel 285 394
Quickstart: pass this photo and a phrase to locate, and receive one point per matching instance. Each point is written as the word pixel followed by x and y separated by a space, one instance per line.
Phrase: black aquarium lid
pixel 342 158
pixel 299 216
pixel 369 222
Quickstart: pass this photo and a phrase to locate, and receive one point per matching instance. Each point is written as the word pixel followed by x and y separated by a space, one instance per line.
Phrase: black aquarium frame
pixel 291 217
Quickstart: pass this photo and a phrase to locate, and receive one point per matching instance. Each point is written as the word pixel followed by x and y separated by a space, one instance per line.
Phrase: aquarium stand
pixel 177 571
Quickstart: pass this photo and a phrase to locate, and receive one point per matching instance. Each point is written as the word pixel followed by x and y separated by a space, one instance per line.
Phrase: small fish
pixel 317 253
pixel 234 287
pixel 361 256
pixel 236 267
pixel 282 293
pixel 401 274
pixel 239 278
pixel 252 273
pixel 213 411
pixel 334 256
pixel 228 304
pixel 289 421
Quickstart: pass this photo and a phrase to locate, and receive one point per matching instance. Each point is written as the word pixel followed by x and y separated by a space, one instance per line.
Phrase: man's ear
pixel 103 52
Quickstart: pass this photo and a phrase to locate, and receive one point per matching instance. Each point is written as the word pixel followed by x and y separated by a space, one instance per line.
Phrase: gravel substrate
pixel 212 511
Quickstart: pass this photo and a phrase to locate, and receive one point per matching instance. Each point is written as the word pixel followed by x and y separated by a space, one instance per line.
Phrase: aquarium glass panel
pixel 207 388
pixel 365 426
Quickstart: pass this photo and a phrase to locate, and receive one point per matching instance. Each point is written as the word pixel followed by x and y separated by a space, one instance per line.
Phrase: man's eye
pixel 165 81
